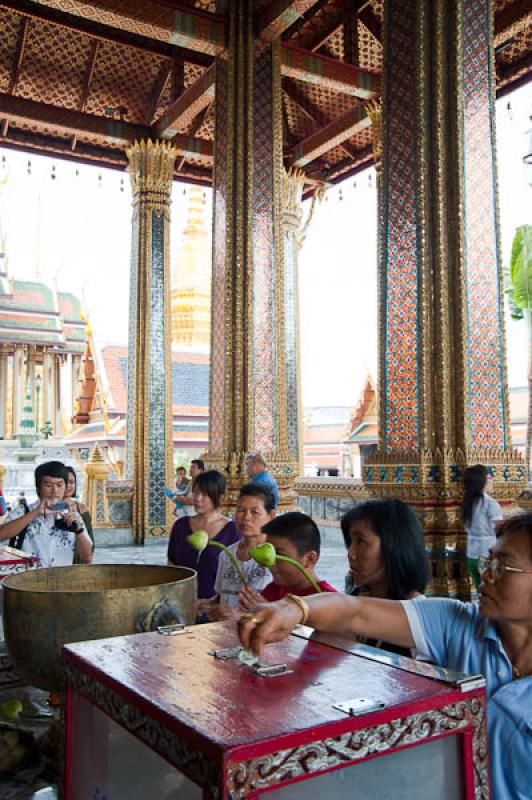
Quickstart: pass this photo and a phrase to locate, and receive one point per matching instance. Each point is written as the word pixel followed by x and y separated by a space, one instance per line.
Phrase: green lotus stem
pixel 200 540
pixel 266 555
pixel 232 559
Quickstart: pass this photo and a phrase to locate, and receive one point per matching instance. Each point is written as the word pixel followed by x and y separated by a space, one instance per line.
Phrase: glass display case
pixel 180 717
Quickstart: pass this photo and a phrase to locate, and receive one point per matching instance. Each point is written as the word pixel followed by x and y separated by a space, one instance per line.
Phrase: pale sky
pixel 76 229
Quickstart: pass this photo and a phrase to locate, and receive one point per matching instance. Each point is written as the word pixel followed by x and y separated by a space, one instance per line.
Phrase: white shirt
pixel 481 528
pixel 52 546
pixel 228 584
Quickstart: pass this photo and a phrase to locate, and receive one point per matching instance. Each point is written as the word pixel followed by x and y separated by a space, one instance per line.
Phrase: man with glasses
pixel 493 638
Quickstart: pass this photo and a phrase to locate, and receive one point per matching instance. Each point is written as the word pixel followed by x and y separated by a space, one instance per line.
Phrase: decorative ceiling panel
pixel 334 46
pixel 10 25
pixel 206 129
pixel 299 124
pixel 311 32
pixel 192 73
pixel 54 65
pixel 369 49
pixel 378 7
pixel 332 104
pixel 123 77
pixel 516 49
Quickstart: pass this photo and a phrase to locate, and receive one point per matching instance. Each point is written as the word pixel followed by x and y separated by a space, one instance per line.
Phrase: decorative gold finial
pixel 374 112
pixel 96 455
pixel 151 167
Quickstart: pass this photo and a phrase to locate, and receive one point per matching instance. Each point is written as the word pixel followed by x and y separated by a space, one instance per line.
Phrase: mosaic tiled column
pixel 292 216
pixel 250 388
pixel 443 392
pixel 3 394
pixel 47 388
pixel 149 411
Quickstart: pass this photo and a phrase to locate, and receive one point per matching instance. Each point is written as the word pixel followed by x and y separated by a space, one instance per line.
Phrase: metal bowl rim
pixel 193 576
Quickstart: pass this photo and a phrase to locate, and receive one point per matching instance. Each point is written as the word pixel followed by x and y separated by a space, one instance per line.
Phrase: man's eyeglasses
pixel 497 567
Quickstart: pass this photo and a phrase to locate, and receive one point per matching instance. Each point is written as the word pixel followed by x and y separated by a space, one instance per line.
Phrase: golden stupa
pixel 191 282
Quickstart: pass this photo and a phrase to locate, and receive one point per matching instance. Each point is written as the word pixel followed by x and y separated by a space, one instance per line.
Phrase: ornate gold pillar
pixel 250 391
pixel 443 397
pixel 149 412
pixel 97 473
pixel 3 394
pixel 294 232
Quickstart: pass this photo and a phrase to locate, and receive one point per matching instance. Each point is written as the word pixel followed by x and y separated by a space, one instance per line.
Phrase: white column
pixel 18 386
pixel 47 388
pixel 76 369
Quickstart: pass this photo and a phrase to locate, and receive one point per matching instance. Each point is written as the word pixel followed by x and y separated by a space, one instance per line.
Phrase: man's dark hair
pixel 297 528
pixel 212 483
pixel 199 463
pixel 181 469
pixel 402 544
pixel 50 469
pixel 261 492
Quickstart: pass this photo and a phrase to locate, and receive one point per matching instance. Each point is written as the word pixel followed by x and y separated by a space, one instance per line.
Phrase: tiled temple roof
pixel 33 313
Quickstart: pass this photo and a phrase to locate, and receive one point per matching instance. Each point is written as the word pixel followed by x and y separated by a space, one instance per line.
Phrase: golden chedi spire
pixel 191 291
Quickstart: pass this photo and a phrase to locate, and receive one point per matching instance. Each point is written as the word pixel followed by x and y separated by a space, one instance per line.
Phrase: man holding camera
pixel 48 528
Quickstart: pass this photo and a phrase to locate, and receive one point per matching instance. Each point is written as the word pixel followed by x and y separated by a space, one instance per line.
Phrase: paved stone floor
pixel 332 565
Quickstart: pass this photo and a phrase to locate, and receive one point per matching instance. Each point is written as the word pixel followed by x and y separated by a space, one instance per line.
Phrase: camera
pixel 63 525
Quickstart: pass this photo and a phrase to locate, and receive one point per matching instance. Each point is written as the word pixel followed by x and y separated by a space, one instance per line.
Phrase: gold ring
pixel 251 618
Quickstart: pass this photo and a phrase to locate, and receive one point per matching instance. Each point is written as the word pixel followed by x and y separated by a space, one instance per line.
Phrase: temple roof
pixel 83 79
pixel 190 381
pixel 34 313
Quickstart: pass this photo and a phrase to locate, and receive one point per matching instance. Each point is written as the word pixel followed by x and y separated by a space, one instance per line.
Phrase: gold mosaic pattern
pixel 123 76
pixel 55 71
pixel 369 49
pixel 10 26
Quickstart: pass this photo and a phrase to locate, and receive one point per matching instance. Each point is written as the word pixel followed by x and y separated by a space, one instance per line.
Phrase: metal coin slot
pixel 359 706
pixel 171 630
pixel 270 670
pixel 227 653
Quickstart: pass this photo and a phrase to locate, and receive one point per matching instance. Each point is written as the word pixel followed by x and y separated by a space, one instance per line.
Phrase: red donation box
pixel 13 561
pixel 180 717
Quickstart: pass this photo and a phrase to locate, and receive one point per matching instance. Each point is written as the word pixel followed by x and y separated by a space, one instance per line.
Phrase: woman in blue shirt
pixel 494 639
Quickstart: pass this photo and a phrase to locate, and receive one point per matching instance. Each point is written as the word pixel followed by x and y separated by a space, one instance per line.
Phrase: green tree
pixel 521 307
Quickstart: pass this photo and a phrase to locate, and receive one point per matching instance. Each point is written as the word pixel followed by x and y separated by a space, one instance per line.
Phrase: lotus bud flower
pixel 266 555
pixel 199 540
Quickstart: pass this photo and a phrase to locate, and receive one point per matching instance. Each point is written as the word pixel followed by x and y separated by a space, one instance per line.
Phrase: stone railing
pixel 326 500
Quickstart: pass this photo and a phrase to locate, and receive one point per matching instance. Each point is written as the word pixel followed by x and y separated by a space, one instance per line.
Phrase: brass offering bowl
pixel 47 608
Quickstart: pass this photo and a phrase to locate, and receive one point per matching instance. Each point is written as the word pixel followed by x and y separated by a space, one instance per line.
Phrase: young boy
pixel 296 536
pixel 254 508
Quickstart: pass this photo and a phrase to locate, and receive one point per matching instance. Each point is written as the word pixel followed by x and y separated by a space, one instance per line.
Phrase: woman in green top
pixel 70 494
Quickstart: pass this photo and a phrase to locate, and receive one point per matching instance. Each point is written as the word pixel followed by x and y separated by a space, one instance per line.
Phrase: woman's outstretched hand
pixel 266 623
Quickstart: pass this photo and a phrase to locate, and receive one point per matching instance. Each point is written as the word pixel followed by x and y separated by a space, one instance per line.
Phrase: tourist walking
pixel 480 514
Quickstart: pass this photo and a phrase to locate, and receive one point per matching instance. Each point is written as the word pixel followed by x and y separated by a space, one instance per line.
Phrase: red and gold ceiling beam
pixel 187 106
pixel 328 73
pixel 181 26
pixel 511 21
pixel 63 121
pixel 279 15
pixel 329 137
